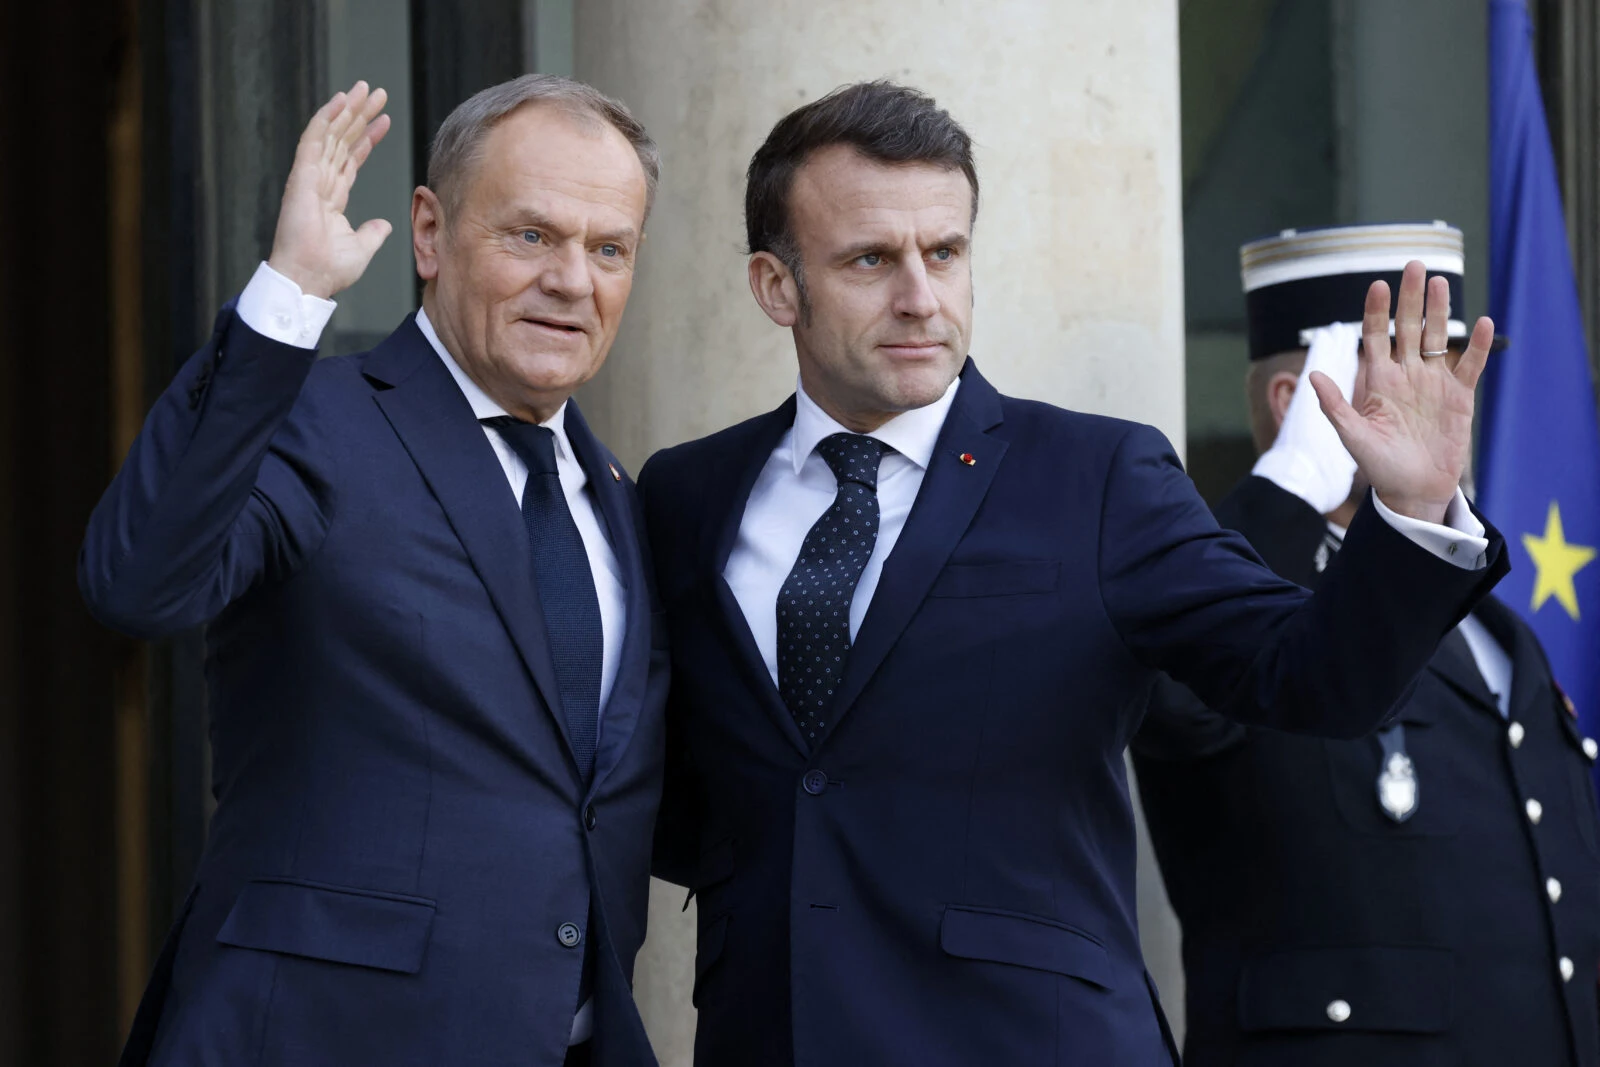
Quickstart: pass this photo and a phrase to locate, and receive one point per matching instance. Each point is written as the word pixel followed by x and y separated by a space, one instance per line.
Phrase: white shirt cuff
pixel 1460 540
pixel 275 307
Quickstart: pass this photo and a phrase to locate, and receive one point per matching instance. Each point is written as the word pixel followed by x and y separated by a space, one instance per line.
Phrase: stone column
pixel 1074 108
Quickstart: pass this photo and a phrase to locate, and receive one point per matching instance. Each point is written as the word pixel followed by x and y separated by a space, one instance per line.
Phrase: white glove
pixel 1308 459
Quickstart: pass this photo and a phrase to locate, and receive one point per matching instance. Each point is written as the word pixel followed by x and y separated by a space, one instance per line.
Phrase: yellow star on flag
pixel 1558 563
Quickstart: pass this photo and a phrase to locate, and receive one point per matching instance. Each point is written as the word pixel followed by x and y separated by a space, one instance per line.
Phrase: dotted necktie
pixel 565 585
pixel 814 603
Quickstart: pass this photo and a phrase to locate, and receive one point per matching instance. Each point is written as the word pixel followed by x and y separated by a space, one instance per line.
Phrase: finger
pixel 343 121
pixel 371 235
pixel 1375 324
pixel 1336 408
pixel 1408 312
pixel 1436 325
pixel 1476 357
pixel 316 130
pixel 363 148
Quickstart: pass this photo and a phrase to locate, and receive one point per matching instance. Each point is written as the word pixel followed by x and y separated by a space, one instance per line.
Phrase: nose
pixel 566 273
pixel 914 297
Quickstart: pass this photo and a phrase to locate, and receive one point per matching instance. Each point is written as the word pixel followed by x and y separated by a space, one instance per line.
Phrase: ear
pixel 774 288
pixel 427 231
pixel 1280 390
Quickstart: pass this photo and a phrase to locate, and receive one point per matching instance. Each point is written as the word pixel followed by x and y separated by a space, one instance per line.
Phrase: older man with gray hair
pixel 435 688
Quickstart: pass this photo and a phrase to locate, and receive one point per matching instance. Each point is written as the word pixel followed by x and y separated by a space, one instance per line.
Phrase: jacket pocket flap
pixel 1376 988
pixel 1024 941
pixel 1012 578
pixel 362 927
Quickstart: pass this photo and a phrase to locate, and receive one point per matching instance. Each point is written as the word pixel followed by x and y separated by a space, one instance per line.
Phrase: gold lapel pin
pixel 966 457
pixel 615 474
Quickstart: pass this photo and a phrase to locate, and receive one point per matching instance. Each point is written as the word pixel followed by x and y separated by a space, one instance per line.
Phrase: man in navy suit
pixel 435 687
pixel 914 623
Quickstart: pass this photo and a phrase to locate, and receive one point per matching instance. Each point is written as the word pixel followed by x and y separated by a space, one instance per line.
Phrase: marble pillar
pixel 1073 105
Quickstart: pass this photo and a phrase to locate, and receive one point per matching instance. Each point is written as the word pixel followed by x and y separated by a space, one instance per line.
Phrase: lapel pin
pixel 966 457
pixel 615 474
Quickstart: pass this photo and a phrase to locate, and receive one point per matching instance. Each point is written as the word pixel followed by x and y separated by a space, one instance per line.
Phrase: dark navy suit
pixel 1440 934
pixel 401 832
pixel 948 879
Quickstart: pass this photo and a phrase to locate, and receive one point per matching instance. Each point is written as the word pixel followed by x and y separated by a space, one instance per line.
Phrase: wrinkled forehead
pixel 550 158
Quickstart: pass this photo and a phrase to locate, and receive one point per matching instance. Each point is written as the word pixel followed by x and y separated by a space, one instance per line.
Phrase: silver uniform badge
pixel 1397 777
pixel 1397 786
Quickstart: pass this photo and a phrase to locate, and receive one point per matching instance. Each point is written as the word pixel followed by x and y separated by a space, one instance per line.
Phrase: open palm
pixel 1409 427
pixel 315 246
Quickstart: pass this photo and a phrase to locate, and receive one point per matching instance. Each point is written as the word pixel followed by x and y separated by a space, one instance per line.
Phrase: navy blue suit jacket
pixel 948 879
pixel 401 831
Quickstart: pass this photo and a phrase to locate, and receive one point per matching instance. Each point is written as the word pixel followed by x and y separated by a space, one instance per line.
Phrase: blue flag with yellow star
pixel 1539 469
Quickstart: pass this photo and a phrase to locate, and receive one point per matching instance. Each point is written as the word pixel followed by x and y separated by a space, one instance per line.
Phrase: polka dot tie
pixel 814 603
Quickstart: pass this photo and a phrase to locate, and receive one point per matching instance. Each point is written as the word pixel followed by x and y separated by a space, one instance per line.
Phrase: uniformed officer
pixel 1428 895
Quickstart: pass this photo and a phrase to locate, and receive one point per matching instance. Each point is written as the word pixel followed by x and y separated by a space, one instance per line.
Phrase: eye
pixel 611 251
pixel 945 255
pixel 871 259
pixel 532 237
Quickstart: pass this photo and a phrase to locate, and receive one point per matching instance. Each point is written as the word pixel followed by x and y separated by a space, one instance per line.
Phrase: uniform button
pixel 1535 811
pixel 589 817
pixel 1566 969
pixel 1553 887
pixel 569 934
pixel 1339 1010
pixel 1515 733
pixel 1590 748
pixel 815 782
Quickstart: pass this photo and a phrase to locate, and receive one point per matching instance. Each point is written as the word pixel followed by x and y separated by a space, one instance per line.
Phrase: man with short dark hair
pixel 914 623
pixel 1430 894
pixel 434 688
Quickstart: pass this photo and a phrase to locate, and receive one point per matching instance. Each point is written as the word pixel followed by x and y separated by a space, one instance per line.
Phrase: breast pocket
pixel 1010 578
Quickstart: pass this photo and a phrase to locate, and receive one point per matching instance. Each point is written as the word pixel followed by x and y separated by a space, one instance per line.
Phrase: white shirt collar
pixel 911 433
pixel 482 406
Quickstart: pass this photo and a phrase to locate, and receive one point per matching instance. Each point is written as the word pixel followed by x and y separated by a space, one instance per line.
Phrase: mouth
pixel 912 349
pixel 555 326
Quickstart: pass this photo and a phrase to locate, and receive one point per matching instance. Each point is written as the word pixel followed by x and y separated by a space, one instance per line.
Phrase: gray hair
pixel 458 143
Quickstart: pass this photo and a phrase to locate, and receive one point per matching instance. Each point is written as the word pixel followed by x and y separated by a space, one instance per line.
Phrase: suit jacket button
pixel 1339 1010
pixel 1515 733
pixel 589 818
pixel 815 782
pixel 569 934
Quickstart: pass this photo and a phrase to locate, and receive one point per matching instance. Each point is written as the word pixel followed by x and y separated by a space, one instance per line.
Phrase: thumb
pixel 371 235
pixel 1335 407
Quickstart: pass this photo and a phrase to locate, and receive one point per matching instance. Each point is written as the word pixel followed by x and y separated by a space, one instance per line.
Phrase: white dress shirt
pixel 796 486
pixel 275 307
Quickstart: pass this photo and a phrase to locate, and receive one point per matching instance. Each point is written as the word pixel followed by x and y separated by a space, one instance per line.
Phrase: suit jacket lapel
pixel 618 515
pixel 952 490
pixel 721 534
pixel 1528 667
pixel 1455 663
pixel 435 423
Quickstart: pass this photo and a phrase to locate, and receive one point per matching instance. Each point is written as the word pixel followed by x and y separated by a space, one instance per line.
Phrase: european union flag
pixel 1539 477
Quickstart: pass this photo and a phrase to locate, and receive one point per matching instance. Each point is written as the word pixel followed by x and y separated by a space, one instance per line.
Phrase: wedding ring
pixel 1440 352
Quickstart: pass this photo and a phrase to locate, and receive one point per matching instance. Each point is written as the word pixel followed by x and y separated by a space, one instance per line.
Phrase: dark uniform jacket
pixel 1317 929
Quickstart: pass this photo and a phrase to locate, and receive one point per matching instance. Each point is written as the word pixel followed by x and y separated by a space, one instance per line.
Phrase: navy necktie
pixel 814 603
pixel 564 583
